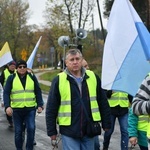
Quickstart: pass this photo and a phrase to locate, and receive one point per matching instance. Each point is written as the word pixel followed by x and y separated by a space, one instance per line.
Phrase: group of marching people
pixel 133 116
pixel 132 112
pixel 22 97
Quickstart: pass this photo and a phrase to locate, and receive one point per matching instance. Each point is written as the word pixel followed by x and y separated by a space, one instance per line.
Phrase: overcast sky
pixel 38 6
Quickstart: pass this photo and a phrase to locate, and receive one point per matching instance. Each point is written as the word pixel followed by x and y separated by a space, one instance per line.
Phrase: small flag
pixel 5 55
pixel 126 49
pixel 32 56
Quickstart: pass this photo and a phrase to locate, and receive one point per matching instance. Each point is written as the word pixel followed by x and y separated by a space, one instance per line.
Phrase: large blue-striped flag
pixel 32 56
pixel 126 50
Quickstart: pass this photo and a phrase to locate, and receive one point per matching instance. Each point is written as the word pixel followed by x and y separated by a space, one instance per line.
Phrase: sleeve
pixel 109 93
pixel 7 91
pixel 103 106
pixel 132 124
pixel 130 97
pixel 2 78
pixel 37 91
pixel 1 94
pixel 52 106
pixel 141 101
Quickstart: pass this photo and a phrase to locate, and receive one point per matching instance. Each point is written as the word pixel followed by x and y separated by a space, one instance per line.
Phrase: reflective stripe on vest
pixel 148 129
pixel 143 122
pixel 64 115
pixel 119 98
pixel 21 97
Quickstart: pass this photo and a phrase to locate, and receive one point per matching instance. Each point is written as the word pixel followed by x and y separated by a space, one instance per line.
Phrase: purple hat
pixel 12 63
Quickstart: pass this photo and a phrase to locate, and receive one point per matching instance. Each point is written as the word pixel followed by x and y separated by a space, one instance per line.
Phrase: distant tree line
pixel 142 7
pixel 61 18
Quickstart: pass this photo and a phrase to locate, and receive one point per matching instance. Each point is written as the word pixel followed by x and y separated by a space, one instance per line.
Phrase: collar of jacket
pixel 82 72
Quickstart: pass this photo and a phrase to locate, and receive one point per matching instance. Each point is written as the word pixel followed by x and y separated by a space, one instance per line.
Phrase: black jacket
pixel 78 117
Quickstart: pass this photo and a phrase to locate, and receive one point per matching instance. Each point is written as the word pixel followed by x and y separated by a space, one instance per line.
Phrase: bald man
pixel 85 64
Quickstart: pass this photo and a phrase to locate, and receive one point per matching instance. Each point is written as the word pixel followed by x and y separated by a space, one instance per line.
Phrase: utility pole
pixel 94 37
pixel 101 22
pixel 80 15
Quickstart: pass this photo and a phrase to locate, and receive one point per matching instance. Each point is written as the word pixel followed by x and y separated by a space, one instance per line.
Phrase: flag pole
pixel 101 22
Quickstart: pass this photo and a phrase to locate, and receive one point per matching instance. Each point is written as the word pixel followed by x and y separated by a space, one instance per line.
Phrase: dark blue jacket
pixel 78 117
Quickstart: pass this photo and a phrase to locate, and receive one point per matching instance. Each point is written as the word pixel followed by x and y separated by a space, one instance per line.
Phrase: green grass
pixel 49 75
pixel 44 88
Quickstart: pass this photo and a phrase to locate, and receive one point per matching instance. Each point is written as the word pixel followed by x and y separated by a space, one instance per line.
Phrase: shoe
pixel 34 142
pixel 10 125
pixel 105 148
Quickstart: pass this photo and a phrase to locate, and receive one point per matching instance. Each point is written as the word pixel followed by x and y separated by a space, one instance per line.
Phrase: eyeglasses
pixel 22 67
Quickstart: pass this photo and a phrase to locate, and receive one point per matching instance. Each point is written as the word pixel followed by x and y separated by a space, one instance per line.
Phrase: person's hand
pixel 40 109
pixel 54 141
pixel 9 111
pixel 53 137
pixel 105 129
pixel 133 141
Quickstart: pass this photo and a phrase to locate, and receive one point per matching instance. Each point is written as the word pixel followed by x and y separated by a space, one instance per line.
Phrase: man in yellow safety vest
pixel 72 91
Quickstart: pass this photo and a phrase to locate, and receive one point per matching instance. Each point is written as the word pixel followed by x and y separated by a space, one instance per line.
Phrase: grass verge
pixel 44 88
pixel 49 75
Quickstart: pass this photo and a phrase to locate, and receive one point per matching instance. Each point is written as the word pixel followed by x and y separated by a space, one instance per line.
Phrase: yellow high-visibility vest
pixel 64 114
pixel 119 98
pixel 143 122
pixel 6 74
pixel 21 97
pixel 148 129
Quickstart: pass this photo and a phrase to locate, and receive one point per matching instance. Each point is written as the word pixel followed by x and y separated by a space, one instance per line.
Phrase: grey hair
pixel 73 52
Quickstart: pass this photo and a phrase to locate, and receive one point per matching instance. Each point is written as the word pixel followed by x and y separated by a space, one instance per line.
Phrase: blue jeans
pixel 123 122
pixel 84 143
pixel 96 143
pixel 19 118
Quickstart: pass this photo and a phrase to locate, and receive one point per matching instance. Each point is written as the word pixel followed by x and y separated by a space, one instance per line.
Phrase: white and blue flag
pixel 126 50
pixel 32 56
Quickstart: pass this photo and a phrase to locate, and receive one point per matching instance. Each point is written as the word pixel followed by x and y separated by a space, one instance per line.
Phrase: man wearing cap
pixel 10 69
pixel 23 96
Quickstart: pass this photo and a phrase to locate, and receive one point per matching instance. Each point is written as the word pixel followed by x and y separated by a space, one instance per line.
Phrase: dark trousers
pixel 9 118
pixel 143 147
pixel 19 118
